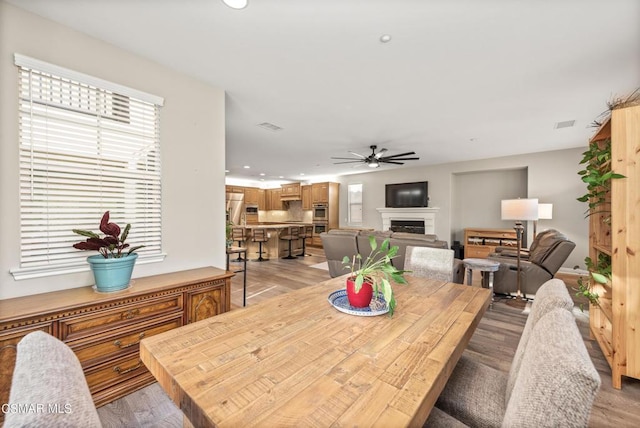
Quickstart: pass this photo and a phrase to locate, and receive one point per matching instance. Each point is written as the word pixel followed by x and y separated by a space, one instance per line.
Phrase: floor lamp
pixel 519 210
pixel 545 212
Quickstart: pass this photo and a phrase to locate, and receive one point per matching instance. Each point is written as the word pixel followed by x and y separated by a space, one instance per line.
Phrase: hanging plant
pixel 597 175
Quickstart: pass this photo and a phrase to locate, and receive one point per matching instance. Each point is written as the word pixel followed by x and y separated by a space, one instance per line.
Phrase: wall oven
pixel 320 212
pixel 320 227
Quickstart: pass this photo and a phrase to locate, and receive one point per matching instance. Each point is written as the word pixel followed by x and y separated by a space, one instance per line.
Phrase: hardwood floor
pixel 494 343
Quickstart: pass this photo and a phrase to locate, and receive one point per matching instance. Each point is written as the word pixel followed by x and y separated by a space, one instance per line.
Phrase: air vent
pixel 270 126
pixel 565 124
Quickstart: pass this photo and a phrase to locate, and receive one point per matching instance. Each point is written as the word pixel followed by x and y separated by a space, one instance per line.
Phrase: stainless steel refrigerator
pixel 234 207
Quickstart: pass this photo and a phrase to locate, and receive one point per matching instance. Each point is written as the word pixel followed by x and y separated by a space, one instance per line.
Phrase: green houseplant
pixel 373 275
pixel 112 268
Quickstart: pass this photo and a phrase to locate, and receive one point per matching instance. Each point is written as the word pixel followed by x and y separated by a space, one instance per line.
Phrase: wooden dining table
pixel 294 360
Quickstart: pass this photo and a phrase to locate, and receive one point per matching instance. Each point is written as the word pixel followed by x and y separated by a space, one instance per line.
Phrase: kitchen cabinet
pixel 104 329
pixel 251 195
pixel 305 192
pixel 320 193
pixel 234 189
pixel 262 205
pixel 290 192
pixel 274 202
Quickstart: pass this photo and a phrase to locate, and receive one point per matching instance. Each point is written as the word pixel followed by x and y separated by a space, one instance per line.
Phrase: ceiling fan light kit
pixel 376 158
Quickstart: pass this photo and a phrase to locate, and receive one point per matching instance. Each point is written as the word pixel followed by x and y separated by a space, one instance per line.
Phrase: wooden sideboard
pixel 104 330
pixel 479 243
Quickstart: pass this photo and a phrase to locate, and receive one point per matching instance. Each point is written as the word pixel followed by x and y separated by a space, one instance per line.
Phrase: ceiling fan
pixel 375 159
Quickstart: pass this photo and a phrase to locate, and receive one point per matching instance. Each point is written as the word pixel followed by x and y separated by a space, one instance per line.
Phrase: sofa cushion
pixel 48 373
pixel 557 382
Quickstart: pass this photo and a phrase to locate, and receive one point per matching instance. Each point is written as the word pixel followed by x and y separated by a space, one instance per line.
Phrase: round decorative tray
pixel 338 300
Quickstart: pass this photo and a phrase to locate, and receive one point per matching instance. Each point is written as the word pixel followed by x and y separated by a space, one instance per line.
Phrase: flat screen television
pixel 407 195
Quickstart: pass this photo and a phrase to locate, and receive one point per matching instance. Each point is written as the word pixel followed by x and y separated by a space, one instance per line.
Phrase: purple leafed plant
pixel 111 245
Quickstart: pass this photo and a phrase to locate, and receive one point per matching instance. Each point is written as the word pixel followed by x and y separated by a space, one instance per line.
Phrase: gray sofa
pixel 338 243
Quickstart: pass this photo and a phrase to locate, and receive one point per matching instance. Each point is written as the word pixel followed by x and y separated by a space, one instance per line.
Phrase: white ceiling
pixel 460 80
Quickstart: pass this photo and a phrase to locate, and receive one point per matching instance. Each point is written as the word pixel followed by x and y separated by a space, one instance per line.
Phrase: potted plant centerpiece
pixel 373 275
pixel 112 268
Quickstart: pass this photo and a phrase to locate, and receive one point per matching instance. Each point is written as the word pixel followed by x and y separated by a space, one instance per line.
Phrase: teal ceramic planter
pixel 112 274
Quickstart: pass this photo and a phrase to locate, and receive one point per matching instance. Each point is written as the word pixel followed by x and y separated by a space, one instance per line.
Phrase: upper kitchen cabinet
pixel 234 189
pixel 262 204
pixel 251 196
pixel 324 193
pixel 306 198
pixel 290 192
pixel 273 201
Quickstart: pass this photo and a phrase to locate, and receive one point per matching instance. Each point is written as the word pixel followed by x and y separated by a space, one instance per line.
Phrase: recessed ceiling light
pixel 262 174
pixel 236 4
pixel 227 171
pixel 246 167
pixel 385 38
pixel 302 173
pixel 282 176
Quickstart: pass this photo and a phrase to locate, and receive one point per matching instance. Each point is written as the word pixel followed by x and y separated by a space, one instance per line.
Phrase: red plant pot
pixel 362 298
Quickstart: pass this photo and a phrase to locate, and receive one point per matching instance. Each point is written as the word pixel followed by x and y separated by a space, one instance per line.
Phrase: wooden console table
pixel 479 243
pixel 105 329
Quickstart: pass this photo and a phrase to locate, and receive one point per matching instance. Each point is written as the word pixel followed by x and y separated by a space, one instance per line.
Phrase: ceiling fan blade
pixel 399 155
pixel 358 154
pixel 380 153
pixel 351 161
pixel 393 162
pixel 388 158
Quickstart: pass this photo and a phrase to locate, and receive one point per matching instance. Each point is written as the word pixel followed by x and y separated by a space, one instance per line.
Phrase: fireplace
pixel 408 226
pixel 427 216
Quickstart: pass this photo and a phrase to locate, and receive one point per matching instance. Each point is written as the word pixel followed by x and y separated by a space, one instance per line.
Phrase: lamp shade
pixel 519 209
pixel 545 211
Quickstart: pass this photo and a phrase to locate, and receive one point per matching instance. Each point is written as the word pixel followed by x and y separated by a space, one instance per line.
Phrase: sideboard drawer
pixel 95 349
pixel 114 371
pixel 85 325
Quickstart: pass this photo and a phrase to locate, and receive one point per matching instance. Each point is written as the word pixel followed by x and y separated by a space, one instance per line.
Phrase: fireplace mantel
pixel 426 214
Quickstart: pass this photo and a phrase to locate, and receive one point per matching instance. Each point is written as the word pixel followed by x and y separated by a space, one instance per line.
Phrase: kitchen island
pixel 274 247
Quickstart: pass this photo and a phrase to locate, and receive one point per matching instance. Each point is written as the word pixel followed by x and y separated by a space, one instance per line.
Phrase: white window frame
pixel 86 146
pixel 353 202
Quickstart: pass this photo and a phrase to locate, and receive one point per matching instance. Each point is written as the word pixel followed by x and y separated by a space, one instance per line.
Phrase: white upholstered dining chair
pixel 428 262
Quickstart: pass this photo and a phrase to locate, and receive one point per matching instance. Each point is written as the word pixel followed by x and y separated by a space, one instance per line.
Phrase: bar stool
pixel 293 234
pixel 305 232
pixel 260 236
pixel 239 234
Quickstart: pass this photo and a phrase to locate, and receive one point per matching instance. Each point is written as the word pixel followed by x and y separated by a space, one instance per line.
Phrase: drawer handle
pixel 118 370
pixel 130 314
pixel 121 346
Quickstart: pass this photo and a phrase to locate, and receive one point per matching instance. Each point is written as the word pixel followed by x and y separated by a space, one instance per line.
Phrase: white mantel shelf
pixel 428 215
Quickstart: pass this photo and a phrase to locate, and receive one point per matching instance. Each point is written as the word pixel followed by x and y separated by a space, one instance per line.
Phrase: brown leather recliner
pixel 546 255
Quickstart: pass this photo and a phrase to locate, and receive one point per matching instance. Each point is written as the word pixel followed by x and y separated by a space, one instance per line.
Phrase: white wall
pixel 192 147
pixel 552 178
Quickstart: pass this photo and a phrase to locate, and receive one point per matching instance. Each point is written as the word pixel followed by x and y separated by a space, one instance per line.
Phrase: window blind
pixel 84 149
